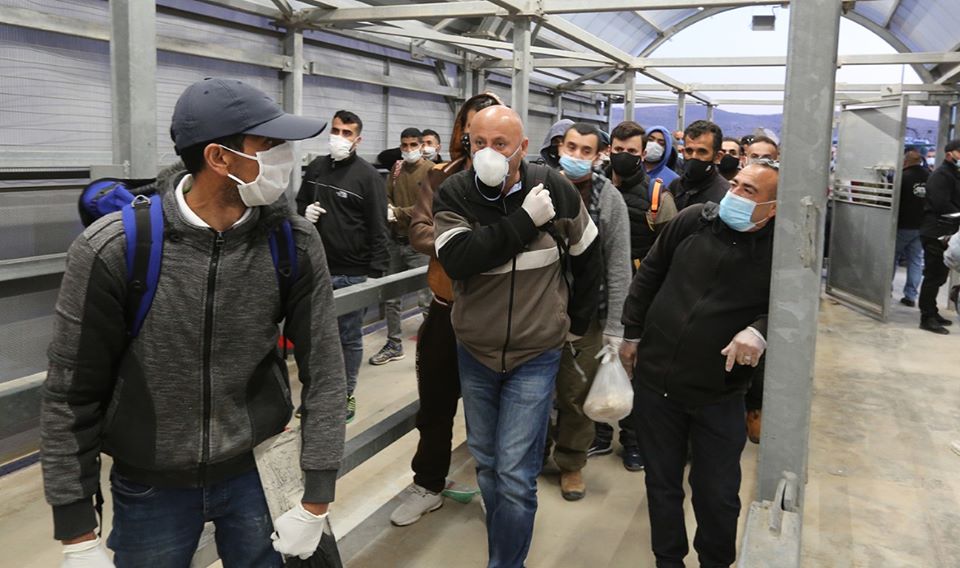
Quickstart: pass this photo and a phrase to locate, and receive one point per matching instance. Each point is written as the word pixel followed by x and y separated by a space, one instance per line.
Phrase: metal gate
pixel 865 202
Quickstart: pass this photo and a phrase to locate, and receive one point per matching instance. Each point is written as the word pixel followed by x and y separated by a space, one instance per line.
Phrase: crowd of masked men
pixel 652 245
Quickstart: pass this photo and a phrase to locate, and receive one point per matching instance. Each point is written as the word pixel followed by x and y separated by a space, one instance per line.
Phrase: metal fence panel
pixel 865 202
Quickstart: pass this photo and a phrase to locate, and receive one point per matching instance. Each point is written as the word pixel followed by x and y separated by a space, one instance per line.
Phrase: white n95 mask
pixel 340 147
pixel 492 167
pixel 276 165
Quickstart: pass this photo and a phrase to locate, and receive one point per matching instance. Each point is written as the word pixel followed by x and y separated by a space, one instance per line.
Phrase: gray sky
pixel 729 34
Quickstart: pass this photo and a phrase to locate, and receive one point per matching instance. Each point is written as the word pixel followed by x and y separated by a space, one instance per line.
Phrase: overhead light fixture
pixel 764 23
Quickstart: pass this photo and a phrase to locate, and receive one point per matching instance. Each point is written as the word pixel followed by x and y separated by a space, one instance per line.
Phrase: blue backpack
pixel 143 224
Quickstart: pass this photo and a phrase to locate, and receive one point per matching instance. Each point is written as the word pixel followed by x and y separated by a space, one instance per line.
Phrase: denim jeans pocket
pixel 128 488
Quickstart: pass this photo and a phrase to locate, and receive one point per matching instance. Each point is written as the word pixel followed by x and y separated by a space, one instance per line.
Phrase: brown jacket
pixel 422 236
pixel 403 188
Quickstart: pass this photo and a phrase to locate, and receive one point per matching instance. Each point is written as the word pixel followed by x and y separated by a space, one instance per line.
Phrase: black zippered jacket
pixel 943 196
pixel 701 284
pixel 711 190
pixel 354 228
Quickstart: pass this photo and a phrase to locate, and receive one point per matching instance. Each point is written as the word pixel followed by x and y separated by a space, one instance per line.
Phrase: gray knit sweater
pixel 615 239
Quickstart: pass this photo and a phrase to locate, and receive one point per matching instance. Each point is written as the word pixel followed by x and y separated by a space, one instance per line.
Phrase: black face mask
pixel 465 143
pixel 729 164
pixel 624 164
pixel 697 170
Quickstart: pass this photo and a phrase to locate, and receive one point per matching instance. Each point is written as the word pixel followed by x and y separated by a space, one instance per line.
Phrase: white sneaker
pixel 955 445
pixel 416 502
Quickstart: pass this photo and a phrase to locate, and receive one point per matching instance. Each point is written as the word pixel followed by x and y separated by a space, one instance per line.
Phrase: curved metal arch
pixel 884 34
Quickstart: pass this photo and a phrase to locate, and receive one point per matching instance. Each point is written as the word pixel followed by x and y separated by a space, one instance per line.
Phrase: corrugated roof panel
pixel 668 18
pixel 625 30
pixel 876 10
pixel 927 26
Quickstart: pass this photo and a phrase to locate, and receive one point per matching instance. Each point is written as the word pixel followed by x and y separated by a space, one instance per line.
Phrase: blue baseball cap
pixel 215 107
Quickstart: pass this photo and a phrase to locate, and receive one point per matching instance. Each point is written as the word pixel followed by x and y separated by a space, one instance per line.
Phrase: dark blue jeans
pixel 351 333
pixel 909 246
pixel 160 528
pixel 717 434
pixel 506 432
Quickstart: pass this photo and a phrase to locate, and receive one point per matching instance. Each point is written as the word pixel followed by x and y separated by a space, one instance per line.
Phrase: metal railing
pixel 20 398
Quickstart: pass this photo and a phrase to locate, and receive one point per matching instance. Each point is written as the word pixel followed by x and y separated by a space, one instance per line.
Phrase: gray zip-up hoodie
pixel 185 402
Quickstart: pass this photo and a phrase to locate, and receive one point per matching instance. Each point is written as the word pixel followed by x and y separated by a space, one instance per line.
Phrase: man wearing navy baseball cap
pixel 180 404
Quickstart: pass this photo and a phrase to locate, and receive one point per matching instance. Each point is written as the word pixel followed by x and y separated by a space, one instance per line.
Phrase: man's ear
pixel 217 159
pixel 523 147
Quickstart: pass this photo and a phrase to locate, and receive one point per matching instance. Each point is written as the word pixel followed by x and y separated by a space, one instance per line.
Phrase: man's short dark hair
pixel 429 132
pixel 192 156
pixel 348 117
pixel 585 129
pixel 700 127
pixel 629 129
pixel 765 140
pixel 731 139
pixel 411 133
pixel 952 146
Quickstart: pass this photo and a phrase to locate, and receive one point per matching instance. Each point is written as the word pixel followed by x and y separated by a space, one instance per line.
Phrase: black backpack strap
pixel 143 225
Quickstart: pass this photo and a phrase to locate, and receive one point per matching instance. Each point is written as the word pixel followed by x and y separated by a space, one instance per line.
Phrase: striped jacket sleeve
pixel 465 250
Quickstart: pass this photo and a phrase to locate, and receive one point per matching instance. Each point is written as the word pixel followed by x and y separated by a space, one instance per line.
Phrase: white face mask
pixel 276 165
pixel 340 147
pixel 412 157
pixel 429 152
pixel 492 167
pixel 654 151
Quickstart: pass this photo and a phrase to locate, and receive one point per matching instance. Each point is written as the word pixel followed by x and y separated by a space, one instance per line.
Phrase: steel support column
pixel 610 124
pixel 133 69
pixel 681 111
pixel 943 130
pixel 798 243
pixel 629 94
pixel 710 112
pixel 558 105
pixel 293 95
pixel 522 65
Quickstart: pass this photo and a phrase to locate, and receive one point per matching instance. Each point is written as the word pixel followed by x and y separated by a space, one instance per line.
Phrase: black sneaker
pixel 600 447
pixel 632 460
pixel 933 325
pixel 943 320
pixel 908 302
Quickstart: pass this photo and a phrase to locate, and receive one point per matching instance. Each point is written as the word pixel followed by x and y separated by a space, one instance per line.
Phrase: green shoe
pixel 351 408
pixel 460 493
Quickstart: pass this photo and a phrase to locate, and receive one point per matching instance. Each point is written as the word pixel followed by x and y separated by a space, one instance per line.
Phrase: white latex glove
pixel 391 214
pixel 86 554
pixel 313 212
pixel 539 205
pixel 746 349
pixel 613 341
pixel 298 532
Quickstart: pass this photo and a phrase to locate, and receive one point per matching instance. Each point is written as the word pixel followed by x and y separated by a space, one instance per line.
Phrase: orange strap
pixel 655 196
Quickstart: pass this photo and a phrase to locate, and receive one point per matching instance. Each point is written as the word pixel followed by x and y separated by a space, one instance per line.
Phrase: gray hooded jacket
pixel 185 402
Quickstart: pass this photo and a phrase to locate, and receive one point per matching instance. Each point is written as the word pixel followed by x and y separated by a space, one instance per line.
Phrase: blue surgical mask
pixel 575 168
pixel 737 212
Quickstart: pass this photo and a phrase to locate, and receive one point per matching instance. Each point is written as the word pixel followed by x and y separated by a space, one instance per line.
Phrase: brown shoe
pixel 572 486
pixel 753 425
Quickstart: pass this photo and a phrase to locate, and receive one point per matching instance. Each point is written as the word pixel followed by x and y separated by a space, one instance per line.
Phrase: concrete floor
pixel 883 488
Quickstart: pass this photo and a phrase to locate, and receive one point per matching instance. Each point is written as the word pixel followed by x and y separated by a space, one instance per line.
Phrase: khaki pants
pixel 573 431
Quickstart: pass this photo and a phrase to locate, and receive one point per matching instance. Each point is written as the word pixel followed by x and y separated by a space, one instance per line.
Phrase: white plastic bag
pixel 611 397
